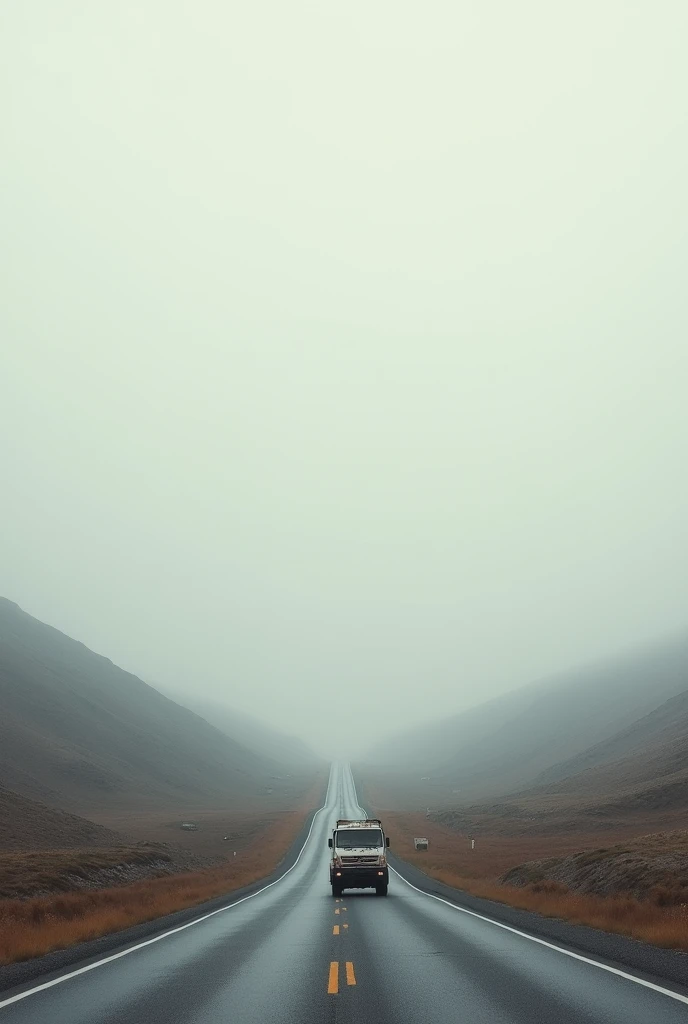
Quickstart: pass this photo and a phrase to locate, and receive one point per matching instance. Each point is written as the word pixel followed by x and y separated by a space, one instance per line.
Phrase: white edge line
pixel 543 942
pixel 549 945
pixel 172 931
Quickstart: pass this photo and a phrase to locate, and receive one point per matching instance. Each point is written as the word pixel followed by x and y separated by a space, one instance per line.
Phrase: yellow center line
pixel 333 980
pixel 345 926
pixel 335 930
pixel 337 910
pixel 350 976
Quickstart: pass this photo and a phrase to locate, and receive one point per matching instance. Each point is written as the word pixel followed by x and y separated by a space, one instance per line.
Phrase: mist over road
pixel 291 954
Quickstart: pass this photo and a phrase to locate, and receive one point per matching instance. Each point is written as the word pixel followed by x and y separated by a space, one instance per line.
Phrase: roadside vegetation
pixel 51 872
pixel 30 927
pixel 653 908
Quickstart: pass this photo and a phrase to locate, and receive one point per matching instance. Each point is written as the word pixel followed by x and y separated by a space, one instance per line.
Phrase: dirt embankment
pixel 24 875
pixel 653 867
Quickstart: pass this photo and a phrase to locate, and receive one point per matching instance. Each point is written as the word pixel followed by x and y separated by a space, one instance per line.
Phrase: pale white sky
pixel 344 351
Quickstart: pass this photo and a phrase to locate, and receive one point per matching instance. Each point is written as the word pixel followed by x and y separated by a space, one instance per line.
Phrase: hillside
pixel 246 729
pixel 652 776
pixel 512 742
pixel 663 732
pixel 79 733
pixel 648 788
pixel 28 825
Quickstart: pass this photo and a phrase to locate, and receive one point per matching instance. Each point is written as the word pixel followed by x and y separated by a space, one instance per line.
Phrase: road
pixel 291 954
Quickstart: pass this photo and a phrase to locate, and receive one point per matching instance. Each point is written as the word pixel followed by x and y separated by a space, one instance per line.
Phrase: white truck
pixel 359 856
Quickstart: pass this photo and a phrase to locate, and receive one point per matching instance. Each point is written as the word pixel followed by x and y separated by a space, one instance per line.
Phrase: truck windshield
pixel 358 838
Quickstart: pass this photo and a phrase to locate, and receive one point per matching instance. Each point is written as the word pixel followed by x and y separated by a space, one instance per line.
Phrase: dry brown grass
pixel 45 872
pixel 31 927
pixel 242 826
pixel 451 860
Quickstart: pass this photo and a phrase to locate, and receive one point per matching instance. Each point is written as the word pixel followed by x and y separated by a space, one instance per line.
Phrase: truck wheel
pixel 337 891
pixel 381 890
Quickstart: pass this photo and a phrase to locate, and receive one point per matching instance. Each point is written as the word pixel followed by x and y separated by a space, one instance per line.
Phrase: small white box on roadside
pixel 420 843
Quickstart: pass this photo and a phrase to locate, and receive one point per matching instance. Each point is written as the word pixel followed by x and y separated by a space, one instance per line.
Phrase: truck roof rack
pixel 359 821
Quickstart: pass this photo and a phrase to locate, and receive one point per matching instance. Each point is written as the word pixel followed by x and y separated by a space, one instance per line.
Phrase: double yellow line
pixel 333 979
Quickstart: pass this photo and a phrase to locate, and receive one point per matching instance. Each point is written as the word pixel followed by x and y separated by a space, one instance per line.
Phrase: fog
pixel 344 353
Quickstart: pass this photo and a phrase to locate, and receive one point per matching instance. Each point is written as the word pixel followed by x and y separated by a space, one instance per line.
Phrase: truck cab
pixel 359 856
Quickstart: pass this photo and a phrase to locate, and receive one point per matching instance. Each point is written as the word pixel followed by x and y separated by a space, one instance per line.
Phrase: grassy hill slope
pixel 645 790
pixel 664 728
pixel 247 730
pixel 514 741
pixel 79 733
pixel 28 825
pixel 652 776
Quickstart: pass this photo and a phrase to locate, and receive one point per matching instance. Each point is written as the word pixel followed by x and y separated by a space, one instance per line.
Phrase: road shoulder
pixel 648 962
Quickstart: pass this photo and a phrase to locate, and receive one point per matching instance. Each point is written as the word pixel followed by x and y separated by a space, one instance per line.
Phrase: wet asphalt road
pixel 292 955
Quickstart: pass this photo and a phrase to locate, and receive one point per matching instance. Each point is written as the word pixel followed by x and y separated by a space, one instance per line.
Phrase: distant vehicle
pixel 420 843
pixel 359 856
pixel 190 826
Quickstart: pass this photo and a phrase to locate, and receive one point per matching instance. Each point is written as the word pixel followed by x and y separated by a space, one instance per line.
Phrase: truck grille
pixel 359 860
